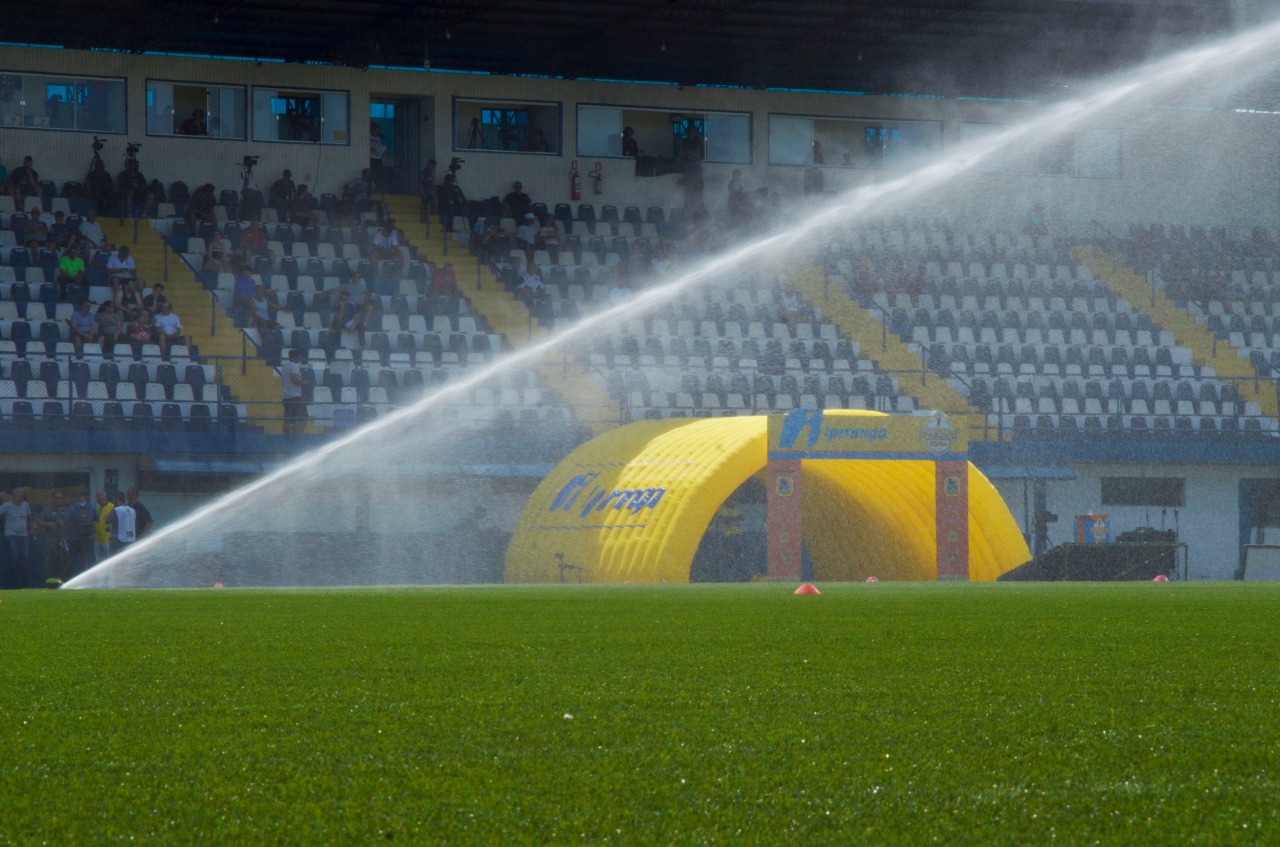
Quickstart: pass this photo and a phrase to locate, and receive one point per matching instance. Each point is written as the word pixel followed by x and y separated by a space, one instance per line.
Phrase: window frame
pixel 881 125
pixel 486 104
pixel 75 79
pixel 685 114
pixel 244 89
pixel 320 93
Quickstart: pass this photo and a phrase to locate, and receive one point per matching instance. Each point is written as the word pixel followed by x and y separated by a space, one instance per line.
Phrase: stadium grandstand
pixel 383 198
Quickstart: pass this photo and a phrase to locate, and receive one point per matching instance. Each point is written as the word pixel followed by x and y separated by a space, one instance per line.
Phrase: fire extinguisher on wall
pixel 598 176
pixel 575 182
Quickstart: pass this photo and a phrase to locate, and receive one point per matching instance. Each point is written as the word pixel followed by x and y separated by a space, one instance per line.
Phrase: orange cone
pixel 807 588
pixel 1160 578
pixel 872 579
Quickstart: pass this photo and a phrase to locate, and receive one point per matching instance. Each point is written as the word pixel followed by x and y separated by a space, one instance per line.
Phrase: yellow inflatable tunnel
pixel 633 504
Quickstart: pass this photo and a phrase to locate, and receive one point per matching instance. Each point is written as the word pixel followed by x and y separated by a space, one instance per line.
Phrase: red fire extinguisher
pixel 598 176
pixel 575 182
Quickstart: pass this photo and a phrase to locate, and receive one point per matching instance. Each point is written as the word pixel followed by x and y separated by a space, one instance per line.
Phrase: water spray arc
pixel 257 500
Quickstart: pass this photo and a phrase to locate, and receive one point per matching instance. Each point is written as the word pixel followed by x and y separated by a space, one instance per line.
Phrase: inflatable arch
pixel 632 505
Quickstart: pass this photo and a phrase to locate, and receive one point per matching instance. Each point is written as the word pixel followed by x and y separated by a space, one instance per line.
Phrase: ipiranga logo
pixel 593 497
pixel 798 421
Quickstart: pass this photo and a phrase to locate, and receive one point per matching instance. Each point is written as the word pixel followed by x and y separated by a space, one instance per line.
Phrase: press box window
pixel 309 117
pixel 63 103
pixel 190 109
pixel 506 127
pixel 724 136
pixel 850 142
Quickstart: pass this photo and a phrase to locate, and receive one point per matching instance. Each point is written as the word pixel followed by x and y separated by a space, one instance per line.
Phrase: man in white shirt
pixel 123 521
pixel 169 328
pixel 120 267
pixel 90 234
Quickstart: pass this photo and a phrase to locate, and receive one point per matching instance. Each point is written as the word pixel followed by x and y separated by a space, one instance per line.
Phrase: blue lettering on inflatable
pixel 599 499
pixel 794 424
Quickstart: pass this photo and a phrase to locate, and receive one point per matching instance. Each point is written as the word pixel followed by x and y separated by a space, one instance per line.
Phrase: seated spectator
pixel 134 191
pixel 527 234
pixel 348 316
pixel 302 211
pixel 143 329
pixel 120 267
pixel 444 283
pixel 84 327
pixel 488 238
pixel 60 233
pixel 168 329
pixel 253 242
pixel 264 307
pixel 24 182
pixel 70 270
pixel 194 125
pixel 619 291
pixel 793 311
pixel 153 301
pixel 36 233
pixel 357 197
pixel 242 295
pixel 202 206
pixel 100 189
pixel 538 141
pixel 517 203
pixel 661 261
pixel 90 235
pixel 386 247
pixel 215 255
pixel 280 194
pixel 109 326
pixel 531 288
pixel 549 238
pixel 129 300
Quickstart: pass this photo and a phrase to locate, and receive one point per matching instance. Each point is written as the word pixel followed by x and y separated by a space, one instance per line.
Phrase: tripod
pixel 476 138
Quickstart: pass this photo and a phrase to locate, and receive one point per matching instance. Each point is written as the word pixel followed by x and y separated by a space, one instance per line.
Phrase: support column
pixel 783 519
pixel 952 509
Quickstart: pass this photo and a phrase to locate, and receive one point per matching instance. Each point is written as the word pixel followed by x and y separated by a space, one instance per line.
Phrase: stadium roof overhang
pixel 987 48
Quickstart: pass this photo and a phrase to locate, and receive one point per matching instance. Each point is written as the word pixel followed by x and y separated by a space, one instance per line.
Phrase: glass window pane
pixel 599 131
pixel 729 138
pixel 790 140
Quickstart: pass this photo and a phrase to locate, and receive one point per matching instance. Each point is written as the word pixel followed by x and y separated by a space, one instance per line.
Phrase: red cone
pixel 807 588
pixel 1160 578
pixel 872 579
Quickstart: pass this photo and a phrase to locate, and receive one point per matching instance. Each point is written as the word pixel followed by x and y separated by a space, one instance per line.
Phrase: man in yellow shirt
pixel 102 528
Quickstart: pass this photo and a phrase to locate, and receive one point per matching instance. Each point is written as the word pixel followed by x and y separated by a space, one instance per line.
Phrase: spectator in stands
pixel 619 291
pixel 692 183
pixel 427 190
pixel 143 520
pixel 377 149
pixel 818 158
pixel 265 307
pixel 143 329
pixel 61 234
pixel 1036 224
pixel 134 191
pixel 451 200
pixel 242 295
pixel 51 532
pixel 739 202
pixel 527 234
pixel 661 261
pixel 357 288
pixel 357 197
pixel 348 316
pixel 153 301
pixel 281 192
pixel 813 180
pixel 24 182
pixel 129 300
pixel 793 311
pixel 386 247
pixel 120 267
pixel 83 327
pixel 302 211
pixel 17 537
pixel 629 145
pixel 202 206
pixel 531 289
pixel 215 254
pixel 168 329
pixel 692 146
pixel 102 528
pixel 549 238
pixel 291 386
pixel 538 141
pixel 253 243
pixel 444 283
pixel 488 238
pixel 36 232
pixel 70 270
pixel 516 202
pixel 99 188
pixel 109 325
pixel 90 235
pixel 194 125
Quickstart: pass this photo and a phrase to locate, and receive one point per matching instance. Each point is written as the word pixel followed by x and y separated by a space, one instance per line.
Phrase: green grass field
pixel 886 714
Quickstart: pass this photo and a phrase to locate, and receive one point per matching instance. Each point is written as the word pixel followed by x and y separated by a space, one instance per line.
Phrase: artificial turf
pixel 872 714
